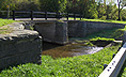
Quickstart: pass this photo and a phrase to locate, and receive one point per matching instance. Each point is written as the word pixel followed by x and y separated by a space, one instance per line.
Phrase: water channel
pixel 74 48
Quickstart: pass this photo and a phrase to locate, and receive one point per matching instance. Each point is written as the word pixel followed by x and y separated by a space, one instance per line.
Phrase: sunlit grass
pixel 3 28
pixel 98 20
pixel 79 66
pixel 123 71
pixel 4 22
pixel 112 34
pixel 109 21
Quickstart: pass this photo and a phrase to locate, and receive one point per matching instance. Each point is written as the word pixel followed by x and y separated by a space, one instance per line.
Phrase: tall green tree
pixel 121 4
pixel 85 7
pixel 101 10
pixel 20 4
pixel 53 5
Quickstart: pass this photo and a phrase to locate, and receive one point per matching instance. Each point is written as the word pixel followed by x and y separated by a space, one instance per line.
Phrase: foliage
pixel 123 13
pixel 19 4
pixel 107 11
pixel 53 5
pixel 85 66
pixel 101 9
pixel 88 10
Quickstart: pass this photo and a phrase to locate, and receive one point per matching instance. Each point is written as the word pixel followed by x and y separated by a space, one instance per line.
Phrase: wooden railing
pixel 38 14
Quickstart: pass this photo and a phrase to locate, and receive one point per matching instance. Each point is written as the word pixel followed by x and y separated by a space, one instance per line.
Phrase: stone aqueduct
pixel 24 45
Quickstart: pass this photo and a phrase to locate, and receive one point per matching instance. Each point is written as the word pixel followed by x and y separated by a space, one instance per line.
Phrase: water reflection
pixel 86 50
pixel 70 50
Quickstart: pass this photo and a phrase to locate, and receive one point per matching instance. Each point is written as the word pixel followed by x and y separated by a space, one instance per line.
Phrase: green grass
pixel 79 66
pixel 102 38
pixel 109 21
pixel 4 22
pixel 3 29
pixel 108 35
pixel 115 33
pixel 123 71
pixel 99 20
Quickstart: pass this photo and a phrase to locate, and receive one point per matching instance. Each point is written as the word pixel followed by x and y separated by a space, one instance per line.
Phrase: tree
pixel 101 9
pixel 20 4
pixel 121 4
pixel 86 7
pixel 53 5
pixel 107 9
pixel 123 13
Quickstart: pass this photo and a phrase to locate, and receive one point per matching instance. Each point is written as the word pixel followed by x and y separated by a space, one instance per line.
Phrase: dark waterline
pixel 47 45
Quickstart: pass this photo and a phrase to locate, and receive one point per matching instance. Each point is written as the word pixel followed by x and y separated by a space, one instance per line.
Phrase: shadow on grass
pixel 122 70
pixel 112 33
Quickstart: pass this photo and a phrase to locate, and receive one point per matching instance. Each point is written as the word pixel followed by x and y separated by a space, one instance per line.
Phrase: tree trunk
pixel 118 10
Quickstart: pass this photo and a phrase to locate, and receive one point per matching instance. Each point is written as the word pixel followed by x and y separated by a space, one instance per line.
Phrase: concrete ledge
pixel 20 46
pixel 52 31
pixel 84 28
pixel 58 31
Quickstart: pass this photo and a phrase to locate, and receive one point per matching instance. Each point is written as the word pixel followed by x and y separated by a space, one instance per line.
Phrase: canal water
pixel 72 49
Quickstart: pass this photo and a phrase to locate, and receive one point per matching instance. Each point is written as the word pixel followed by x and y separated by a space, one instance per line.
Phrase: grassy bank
pixel 98 20
pixel 113 34
pixel 109 21
pixel 79 66
pixel 123 71
pixel 3 29
pixel 4 22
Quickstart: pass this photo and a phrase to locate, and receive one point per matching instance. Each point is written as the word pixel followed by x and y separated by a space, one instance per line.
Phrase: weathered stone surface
pixel 56 31
pixel 61 33
pixel 15 59
pixel 53 31
pixel 20 46
pixel 84 28
pixel 17 26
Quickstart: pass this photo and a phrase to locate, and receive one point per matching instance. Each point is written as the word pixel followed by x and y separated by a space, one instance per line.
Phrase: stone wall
pixel 52 31
pixel 84 28
pixel 55 31
pixel 20 46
